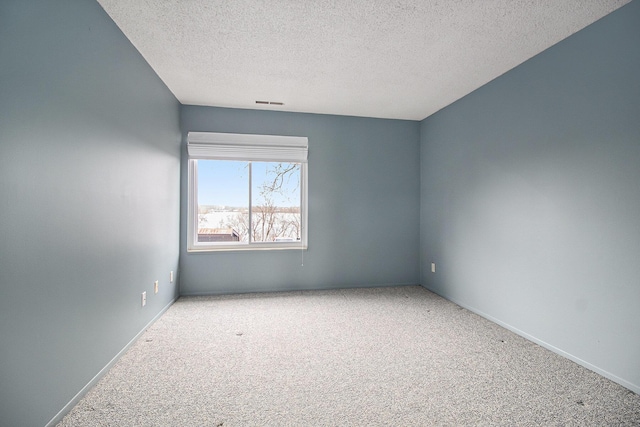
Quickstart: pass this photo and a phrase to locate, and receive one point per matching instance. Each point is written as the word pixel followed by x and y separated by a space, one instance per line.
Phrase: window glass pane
pixel 275 204
pixel 223 201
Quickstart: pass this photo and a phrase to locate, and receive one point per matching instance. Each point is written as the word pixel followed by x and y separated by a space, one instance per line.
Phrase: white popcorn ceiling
pixel 402 59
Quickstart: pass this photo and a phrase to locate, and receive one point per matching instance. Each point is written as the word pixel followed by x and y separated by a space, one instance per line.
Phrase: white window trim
pixel 244 147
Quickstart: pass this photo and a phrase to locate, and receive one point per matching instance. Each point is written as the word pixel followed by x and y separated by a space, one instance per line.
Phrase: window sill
pixel 246 247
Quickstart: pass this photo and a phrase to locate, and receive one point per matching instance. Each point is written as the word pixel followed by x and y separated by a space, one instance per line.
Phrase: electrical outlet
pixel 433 267
pixel 144 298
pixel 155 287
pixel 171 276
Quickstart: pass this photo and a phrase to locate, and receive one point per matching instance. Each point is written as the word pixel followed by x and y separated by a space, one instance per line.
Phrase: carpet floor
pixel 399 356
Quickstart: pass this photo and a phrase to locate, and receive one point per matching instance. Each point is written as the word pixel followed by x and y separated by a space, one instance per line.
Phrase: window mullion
pixel 250 205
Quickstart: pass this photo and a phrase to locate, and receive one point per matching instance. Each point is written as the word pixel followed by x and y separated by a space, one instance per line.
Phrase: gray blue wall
pixel 530 198
pixel 89 201
pixel 364 177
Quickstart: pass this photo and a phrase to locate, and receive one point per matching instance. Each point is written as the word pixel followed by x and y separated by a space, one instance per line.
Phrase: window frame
pixel 250 148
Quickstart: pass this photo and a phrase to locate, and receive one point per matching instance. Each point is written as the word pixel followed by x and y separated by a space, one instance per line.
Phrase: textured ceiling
pixel 403 59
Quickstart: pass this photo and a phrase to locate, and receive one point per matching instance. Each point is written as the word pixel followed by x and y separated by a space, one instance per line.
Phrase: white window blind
pixel 233 146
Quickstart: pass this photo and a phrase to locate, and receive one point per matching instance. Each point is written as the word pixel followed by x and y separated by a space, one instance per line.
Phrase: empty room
pixel 276 212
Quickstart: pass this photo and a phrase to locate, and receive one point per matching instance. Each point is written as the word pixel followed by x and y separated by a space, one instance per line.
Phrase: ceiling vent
pixel 269 103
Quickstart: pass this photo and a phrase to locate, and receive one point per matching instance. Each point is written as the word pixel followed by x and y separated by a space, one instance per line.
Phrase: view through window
pixel 248 201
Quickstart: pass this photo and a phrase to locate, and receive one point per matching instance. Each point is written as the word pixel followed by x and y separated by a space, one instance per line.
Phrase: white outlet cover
pixel 155 287
pixel 171 277
pixel 433 267
pixel 144 298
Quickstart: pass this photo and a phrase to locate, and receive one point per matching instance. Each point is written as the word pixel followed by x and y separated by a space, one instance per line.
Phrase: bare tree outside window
pixel 276 203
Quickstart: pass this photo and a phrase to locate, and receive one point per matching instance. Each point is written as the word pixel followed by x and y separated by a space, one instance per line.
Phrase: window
pixel 246 192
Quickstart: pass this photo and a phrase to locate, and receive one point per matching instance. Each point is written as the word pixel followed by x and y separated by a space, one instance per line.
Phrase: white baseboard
pixel 633 387
pixel 74 401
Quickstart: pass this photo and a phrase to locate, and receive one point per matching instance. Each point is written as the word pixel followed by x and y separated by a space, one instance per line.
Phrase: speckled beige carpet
pixel 360 357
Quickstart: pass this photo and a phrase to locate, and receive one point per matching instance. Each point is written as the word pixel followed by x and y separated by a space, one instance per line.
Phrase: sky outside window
pixel 226 183
pixel 223 183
